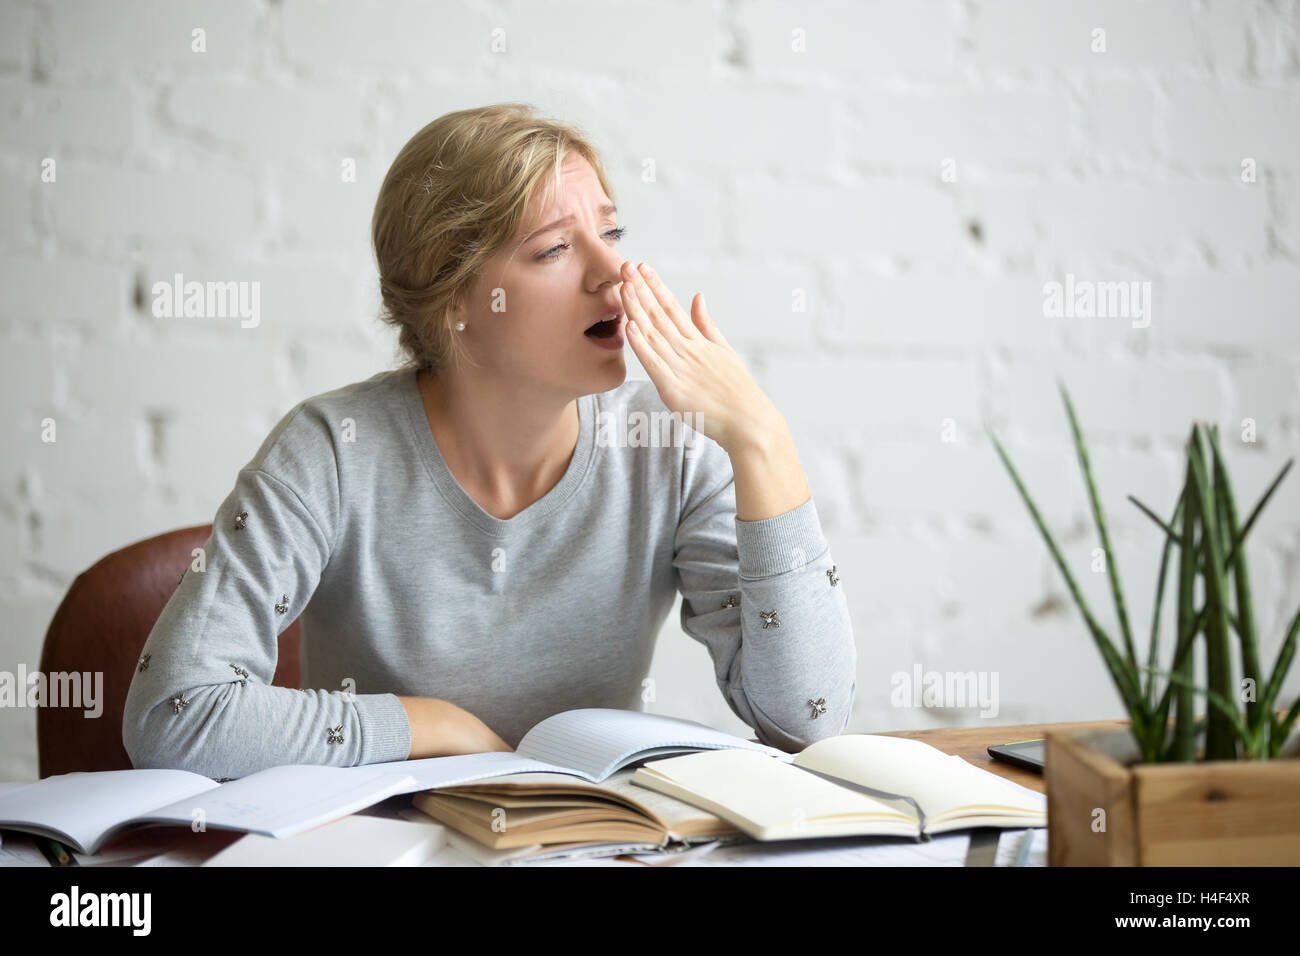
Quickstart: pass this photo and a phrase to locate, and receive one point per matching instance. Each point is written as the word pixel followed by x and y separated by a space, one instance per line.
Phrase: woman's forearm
pixel 769 479
pixel 441 729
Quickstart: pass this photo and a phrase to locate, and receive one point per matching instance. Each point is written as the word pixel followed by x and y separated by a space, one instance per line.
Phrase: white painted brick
pixel 1111 398
pixel 1083 222
pixel 1138 562
pixel 962 482
pixel 939 311
pixel 1273 38
pixel 76 535
pixel 405 105
pixel 42 292
pixel 1052 669
pixel 1245 312
pixel 1049 474
pixel 1140 35
pixel 16 446
pixel 650 39
pixel 325 119
pixel 1126 305
pixel 229 377
pixel 1267 391
pixel 96 457
pixel 99 202
pixel 994 580
pixel 848 40
pixel 18 759
pixel 323 367
pixel 684 682
pixel 12 533
pixel 1206 123
pixel 1225 32
pixel 727 128
pixel 837 394
pixel 877 219
pixel 96 39
pixel 1286 225
pixel 1007 218
pixel 16 39
pixel 985 129
pixel 294 296
pixel 1055 660
pixel 652 214
pixel 888 574
pixel 16 209
pixel 401 36
pixel 1122 120
pixel 752 306
pixel 201 455
pixel 27 381
pixel 833 482
pixel 326 215
pixel 41 118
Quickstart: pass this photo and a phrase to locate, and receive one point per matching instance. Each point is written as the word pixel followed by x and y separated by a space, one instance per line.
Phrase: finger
pixel 657 320
pixel 649 331
pixel 704 322
pixel 667 301
pixel 650 359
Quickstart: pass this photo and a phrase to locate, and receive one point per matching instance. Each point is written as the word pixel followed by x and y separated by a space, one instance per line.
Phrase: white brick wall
pixel 779 175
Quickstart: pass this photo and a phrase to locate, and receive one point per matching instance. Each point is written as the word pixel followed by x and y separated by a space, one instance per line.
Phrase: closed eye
pixel 552 253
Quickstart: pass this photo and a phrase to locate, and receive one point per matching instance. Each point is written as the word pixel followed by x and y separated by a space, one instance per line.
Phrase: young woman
pixel 496 531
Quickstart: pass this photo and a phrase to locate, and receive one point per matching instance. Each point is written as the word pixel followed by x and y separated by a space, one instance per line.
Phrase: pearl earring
pixel 460 326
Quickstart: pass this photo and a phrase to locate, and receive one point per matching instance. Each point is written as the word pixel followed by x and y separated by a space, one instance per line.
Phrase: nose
pixel 620 267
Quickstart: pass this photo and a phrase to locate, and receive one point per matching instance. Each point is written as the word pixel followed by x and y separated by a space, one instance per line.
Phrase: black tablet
pixel 1022 753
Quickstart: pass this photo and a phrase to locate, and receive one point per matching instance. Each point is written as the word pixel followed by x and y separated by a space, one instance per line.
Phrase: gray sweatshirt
pixel 348 516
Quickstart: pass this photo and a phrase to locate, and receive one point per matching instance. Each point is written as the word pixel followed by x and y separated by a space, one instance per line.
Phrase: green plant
pixel 1210 539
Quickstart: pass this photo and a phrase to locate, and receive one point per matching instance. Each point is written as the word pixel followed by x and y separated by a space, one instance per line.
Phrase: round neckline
pixel 459 499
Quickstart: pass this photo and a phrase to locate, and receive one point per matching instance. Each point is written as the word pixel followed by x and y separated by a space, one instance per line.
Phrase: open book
pixel 555 812
pixel 850 785
pixel 529 797
pixel 87 810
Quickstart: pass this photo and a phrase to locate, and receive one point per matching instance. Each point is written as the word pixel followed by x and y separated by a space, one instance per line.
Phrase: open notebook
pixel 86 810
pixel 853 784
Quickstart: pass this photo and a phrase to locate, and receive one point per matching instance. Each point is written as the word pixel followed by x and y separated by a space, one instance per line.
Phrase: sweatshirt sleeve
pixel 201 697
pixel 765 598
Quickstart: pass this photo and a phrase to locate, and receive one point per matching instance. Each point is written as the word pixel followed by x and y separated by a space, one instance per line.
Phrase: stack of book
pixel 593 781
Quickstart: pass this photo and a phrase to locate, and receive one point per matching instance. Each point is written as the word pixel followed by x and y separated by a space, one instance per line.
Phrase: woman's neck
pixel 505 447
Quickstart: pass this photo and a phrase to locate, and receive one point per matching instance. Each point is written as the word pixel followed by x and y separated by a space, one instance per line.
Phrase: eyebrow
pixel 605 210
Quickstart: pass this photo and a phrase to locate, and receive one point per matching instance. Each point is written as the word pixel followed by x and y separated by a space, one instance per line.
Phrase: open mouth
pixel 603 330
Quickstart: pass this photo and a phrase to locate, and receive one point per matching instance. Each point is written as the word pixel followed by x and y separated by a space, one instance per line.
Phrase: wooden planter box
pixel 1215 813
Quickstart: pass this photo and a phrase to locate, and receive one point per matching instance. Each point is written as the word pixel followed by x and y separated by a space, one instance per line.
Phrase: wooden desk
pixel 971 743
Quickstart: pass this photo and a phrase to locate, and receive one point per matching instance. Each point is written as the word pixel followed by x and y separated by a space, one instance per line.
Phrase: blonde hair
pixel 456 194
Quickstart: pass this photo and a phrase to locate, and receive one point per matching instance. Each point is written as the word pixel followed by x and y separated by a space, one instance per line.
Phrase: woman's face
pixel 535 298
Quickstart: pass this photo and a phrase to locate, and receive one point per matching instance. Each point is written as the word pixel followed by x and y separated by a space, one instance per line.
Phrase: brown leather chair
pixel 101 625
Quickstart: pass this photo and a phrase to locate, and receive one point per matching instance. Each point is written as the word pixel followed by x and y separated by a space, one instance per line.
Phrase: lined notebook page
pixel 85 806
pixel 431 773
pixel 282 801
pixel 599 740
